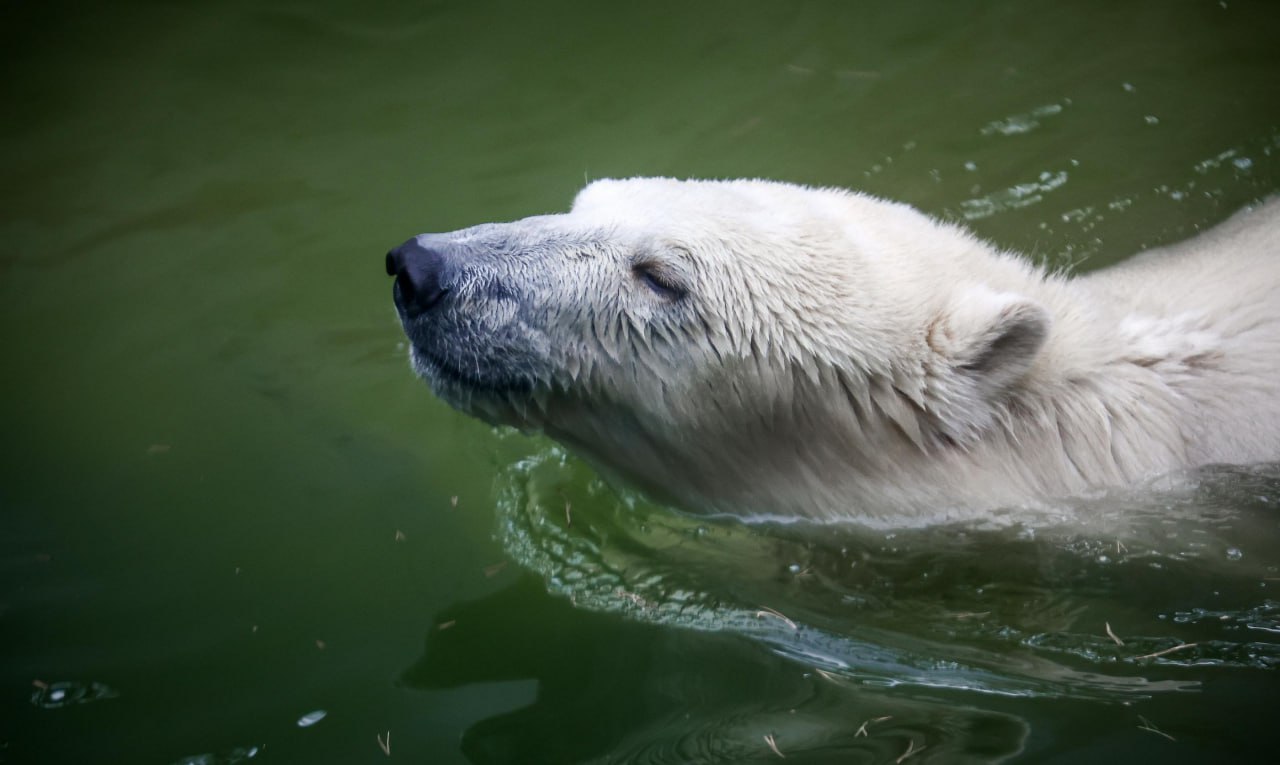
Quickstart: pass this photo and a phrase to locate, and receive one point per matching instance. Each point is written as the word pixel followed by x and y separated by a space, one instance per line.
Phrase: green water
pixel 225 502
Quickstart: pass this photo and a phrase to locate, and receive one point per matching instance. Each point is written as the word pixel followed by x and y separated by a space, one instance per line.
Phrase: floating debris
pixel 493 570
pixel 1150 728
pixel 446 625
pixel 862 729
pixel 66 693
pixel 1165 651
pixel 384 744
pixel 1112 635
pixel 768 739
pixel 911 751
pixel 311 718
pixel 766 611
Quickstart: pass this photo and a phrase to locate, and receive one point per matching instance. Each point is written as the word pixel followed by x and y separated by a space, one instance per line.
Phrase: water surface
pixel 226 504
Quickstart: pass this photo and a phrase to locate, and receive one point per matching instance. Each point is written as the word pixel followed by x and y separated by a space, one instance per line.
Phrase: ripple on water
pixel 230 757
pixel 993 611
pixel 1014 197
pixel 67 693
pixel 1025 122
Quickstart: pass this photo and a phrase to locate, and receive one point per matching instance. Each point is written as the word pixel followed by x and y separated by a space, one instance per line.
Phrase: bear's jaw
pixel 513 400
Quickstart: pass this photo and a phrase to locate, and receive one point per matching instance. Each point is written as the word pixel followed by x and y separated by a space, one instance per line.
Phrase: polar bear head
pixel 747 347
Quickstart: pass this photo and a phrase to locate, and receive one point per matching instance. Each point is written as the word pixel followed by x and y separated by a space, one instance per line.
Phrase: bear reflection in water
pixel 660 637
pixel 628 693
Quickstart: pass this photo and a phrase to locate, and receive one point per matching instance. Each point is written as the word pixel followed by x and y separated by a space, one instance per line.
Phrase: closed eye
pixel 659 279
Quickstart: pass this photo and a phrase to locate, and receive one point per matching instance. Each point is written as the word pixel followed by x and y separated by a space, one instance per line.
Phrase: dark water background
pixel 225 503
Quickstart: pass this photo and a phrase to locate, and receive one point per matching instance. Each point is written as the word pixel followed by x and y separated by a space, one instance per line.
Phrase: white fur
pixel 853 359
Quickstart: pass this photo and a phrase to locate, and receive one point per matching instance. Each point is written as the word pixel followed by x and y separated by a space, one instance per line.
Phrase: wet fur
pixel 835 356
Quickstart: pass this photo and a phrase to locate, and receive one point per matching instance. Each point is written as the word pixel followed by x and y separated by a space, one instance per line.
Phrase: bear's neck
pixel 1118 394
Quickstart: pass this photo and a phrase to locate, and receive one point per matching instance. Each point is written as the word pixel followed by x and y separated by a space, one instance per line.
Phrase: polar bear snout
pixel 420 268
pixel 471 334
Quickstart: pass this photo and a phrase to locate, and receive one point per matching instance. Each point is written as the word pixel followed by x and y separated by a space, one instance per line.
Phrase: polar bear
pixel 761 349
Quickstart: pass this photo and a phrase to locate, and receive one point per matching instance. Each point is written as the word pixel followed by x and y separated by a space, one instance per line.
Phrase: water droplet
pixel 311 718
pixel 1242 163
pixel 1128 86
pixel 1234 553
pixel 1151 119
pixel 971 166
pixel 794 568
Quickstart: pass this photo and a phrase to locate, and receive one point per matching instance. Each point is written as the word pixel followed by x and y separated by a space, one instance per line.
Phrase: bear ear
pixel 991 337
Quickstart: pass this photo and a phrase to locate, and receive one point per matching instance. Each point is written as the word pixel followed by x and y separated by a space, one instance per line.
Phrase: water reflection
pixel 638 693
pixel 1106 599
pixel 714 641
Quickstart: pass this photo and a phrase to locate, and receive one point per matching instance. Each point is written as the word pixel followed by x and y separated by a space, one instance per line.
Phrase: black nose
pixel 419 273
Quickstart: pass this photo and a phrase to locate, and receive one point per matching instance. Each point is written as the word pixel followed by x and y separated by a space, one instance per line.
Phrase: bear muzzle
pixel 469 330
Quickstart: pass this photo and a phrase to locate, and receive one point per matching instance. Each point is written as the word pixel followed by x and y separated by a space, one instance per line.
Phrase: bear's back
pixel 1230 269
